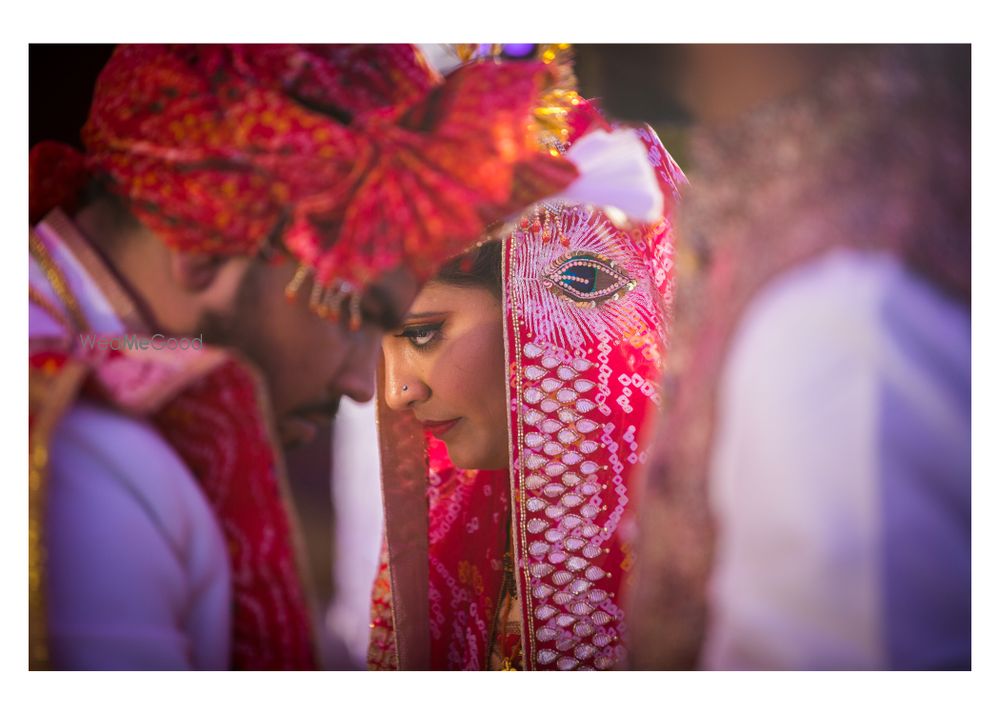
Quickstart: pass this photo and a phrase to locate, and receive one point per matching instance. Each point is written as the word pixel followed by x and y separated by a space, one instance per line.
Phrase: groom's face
pixel 309 362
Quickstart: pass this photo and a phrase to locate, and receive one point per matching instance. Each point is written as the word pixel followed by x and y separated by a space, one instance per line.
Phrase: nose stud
pixel 406 388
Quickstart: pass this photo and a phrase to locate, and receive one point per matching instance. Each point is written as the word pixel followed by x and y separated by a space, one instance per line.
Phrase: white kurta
pixel 137 572
pixel 841 475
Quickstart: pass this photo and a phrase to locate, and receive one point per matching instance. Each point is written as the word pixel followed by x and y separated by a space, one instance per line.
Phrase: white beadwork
pixel 542 591
pixel 585 426
pixel 549 405
pixel 566 396
pixel 583 629
pixel 555 511
pixel 572 458
pixel 534 372
pixel 589 447
pixel 547 656
pixel 540 570
pixel 554 490
pixel 533 416
pixel 550 426
pixel 561 578
pixel 570 479
pixel 568 416
pixel 535 504
pixel 583 385
pixel 553 448
pixel 533 440
pixel 571 500
pixel 533 395
pixel 566 373
pixel 570 522
pixel 584 405
pixel 565 620
pixel 594 573
pixel 538 549
pixel 602 639
pixel 589 467
pixel 534 461
pixel 545 612
pixel 535 482
pixel 550 384
pixel 567 436
pixel 576 563
pixel 601 618
pixel 555 469
pixel 545 634
pixel 537 525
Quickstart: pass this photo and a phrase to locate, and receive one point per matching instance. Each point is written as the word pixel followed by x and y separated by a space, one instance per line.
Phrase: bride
pixel 513 418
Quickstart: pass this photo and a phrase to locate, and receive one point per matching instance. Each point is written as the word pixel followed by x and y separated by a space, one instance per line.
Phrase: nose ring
pixel 406 388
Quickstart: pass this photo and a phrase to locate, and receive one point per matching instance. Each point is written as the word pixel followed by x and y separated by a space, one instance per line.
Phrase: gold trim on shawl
pixel 518 496
pixel 97 270
pixel 49 396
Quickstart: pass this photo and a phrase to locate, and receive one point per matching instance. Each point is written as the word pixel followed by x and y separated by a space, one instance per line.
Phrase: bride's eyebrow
pixel 423 315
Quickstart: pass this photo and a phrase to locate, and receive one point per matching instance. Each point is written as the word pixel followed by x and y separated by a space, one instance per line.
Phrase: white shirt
pixel 840 475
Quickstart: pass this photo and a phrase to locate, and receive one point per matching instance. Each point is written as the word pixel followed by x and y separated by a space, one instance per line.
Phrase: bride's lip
pixel 438 428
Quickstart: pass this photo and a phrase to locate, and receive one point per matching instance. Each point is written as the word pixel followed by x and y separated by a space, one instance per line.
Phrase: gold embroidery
pixel 58 282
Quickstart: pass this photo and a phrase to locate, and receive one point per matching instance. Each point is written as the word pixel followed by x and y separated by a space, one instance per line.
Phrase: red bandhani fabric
pixel 217 428
pixel 362 155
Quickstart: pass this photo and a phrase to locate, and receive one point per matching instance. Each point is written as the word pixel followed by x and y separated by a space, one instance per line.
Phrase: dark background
pixel 623 77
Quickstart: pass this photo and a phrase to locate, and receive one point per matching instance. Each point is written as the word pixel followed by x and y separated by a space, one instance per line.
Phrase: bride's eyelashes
pixel 422 337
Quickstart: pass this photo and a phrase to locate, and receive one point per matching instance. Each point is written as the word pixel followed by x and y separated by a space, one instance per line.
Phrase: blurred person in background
pixel 207 280
pixel 808 505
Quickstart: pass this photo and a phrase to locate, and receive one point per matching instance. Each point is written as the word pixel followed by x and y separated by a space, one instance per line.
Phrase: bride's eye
pixel 587 278
pixel 421 336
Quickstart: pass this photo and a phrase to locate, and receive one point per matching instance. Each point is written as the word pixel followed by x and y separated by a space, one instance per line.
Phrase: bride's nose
pixel 403 387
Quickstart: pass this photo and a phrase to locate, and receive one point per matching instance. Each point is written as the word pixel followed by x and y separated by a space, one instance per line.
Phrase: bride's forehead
pixel 436 296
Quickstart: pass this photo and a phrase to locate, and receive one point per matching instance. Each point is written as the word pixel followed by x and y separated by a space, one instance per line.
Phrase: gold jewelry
pixel 37 298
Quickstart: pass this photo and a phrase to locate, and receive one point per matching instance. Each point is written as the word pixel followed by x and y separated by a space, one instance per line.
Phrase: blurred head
pixel 446 362
pixel 309 362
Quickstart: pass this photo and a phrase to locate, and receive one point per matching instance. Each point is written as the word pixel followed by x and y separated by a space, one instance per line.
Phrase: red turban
pixel 362 155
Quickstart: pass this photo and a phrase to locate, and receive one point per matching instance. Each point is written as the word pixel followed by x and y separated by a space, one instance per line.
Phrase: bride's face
pixel 446 363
